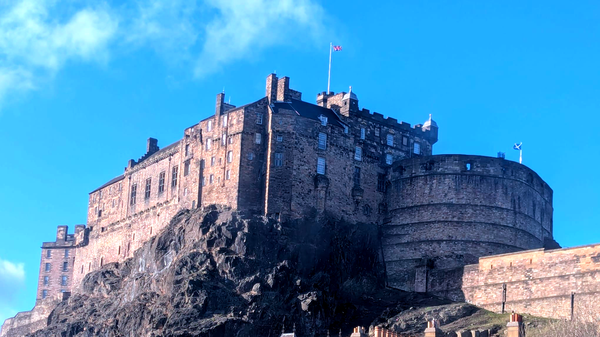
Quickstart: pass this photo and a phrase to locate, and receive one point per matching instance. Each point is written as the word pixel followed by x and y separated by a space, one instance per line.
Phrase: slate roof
pixel 308 110
pixel 121 177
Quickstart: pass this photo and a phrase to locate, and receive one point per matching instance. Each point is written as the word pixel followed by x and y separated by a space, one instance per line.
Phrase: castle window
pixel 174 176
pixel 278 159
pixel 114 202
pixel 390 139
pixel 388 159
pixel 356 177
pixel 259 118
pixel 212 161
pixel 211 179
pixel 229 156
pixel 321 165
pixel 227 174
pixel 44 293
pixel 66 253
pixel 209 126
pixel 376 132
pixel 224 139
pixel 225 121
pixel 250 156
pixel 47 267
pixel 63 281
pixel 120 186
pixel 99 194
pixel 363 133
pixel 46 278
pixel 358 153
pixel 380 182
pixel 208 144
pixel 405 141
pixel 257 138
pixel 65 266
pixel 161 182
pixel 468 166
pixel 417 148
pixel 322 141
pixel 279 138
pixel 148 187
pixel 186 168
pixel 203 181
pixel 187 149
pixel 48 253
pixel 367 210
pixel 133 194
pixel 230 140
pixel 345 128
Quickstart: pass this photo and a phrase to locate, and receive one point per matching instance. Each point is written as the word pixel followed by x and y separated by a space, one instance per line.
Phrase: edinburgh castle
pixel 463 227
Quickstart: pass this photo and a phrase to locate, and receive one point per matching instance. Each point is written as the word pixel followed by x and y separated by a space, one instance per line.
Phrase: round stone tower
pixel 446 211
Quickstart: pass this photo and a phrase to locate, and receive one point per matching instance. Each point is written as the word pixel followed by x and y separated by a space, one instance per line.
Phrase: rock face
pixel 212 273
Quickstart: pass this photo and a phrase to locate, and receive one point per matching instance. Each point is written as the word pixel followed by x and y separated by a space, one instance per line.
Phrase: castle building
pixel 286 158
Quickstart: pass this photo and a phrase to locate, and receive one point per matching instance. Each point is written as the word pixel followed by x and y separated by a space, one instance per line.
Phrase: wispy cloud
pixel 38 38
pixel 12 279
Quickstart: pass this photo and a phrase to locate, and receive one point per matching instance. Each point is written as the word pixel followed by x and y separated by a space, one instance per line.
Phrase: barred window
pixel 321 165
pixel 48 253
pixel 278 159
pixel 358 153
pixel 390 139
pixel 376 132
pixel 279 138
pixel 257 138
pixel 161 182
pixel 259 118
pixel 363 133
pixel 174 176
pixel 66 253
pixel 186 168
pixel 47 267
pixel 65 266
pixel 322 141
pixel 148 187
pixel 388 159
pixel 133 194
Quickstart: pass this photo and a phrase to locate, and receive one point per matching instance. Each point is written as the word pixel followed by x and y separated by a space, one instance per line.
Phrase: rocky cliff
pixel 213 273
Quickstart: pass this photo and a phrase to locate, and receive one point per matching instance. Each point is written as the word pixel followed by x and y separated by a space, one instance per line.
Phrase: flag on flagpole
pixel 517 146
pixel 337 48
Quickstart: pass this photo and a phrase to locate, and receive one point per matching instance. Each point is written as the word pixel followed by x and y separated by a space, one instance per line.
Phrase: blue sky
pixel 82 85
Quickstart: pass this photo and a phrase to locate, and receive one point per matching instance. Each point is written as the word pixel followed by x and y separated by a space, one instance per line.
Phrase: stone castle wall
pixel 540 282
pixel 446 211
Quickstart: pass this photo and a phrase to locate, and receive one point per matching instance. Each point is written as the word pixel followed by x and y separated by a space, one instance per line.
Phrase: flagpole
pixel 329 74
pixel 521 156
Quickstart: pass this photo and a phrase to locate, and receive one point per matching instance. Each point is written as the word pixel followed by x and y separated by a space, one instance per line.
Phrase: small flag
pixel 337 48
pixel 517 146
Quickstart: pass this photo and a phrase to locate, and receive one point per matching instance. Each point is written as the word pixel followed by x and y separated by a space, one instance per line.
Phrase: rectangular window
pixel 133 194
pixel 65 266
pixel 46 278
pixel 388 159
pixel 66 253
pixel 148 188
pixel 224 139
pixel 321 165
pixel 211 179
pixel 229 156
pixel 227 174
pixel 99 213
pixel 114 203
pixel 212 161
pixel 259 118
pixel 380 182
pixel 63 281
pixel 405 141
pixel 161 182
pixel 186 168
pixel 48 253
pixel 225 121
pixel 203 181
pixel 376 132
pixel 208 144
pixel 250 156
pixel 279 138
pixel 278 159
pixel 322 141
pixel 363 133
pixel 356 176
pixel 44 293
pixel 174 176
pixel 187 149
pixel 231 140
pixel 345 128
pixel 358 153
pixel 390 139
pixel 257 138
pixel 47 267
pixel 417 148
pixel 323 120
pixel 209 126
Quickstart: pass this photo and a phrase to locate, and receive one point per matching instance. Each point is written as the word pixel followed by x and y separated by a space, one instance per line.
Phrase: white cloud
pixel 12 279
